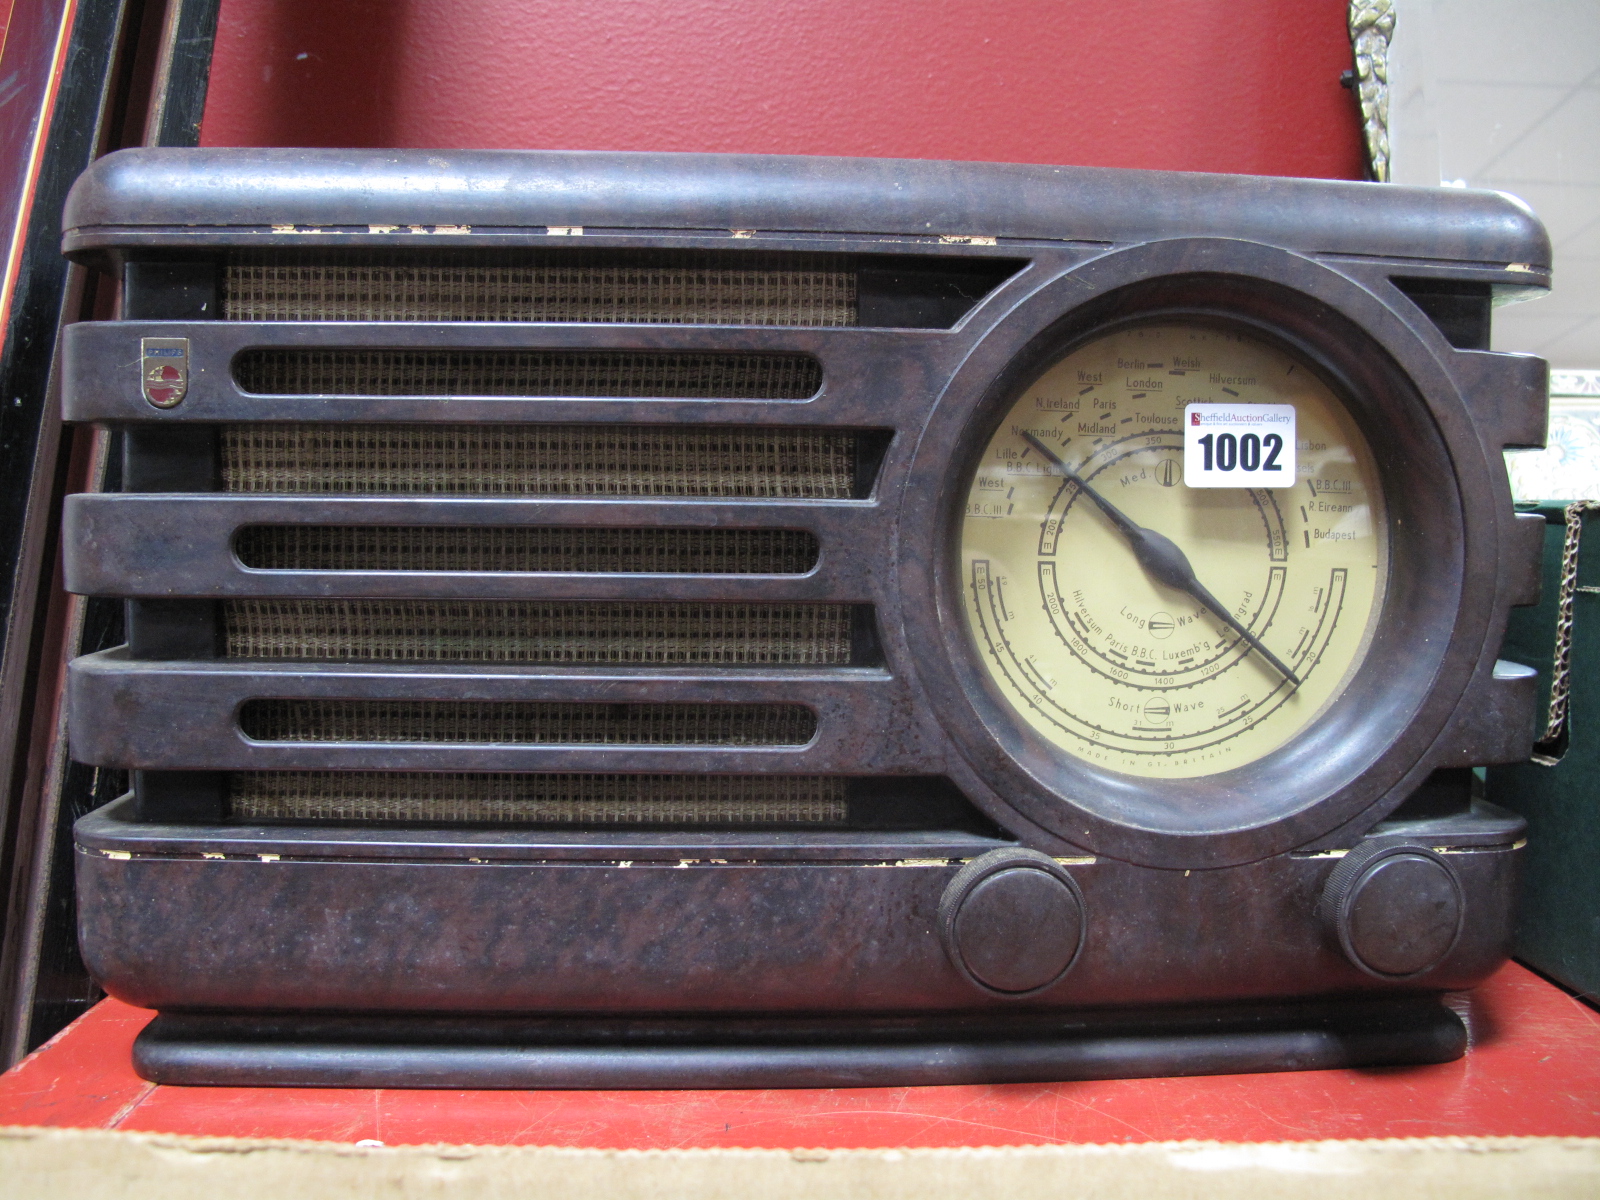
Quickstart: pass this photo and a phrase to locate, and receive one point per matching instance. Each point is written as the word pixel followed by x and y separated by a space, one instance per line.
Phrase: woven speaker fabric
pixel 630 287
pixel 538 460
pixel 563 549
pixel 620 374
pixel 700 800
pixel 567 285
pixel 527 723
pixel 579 631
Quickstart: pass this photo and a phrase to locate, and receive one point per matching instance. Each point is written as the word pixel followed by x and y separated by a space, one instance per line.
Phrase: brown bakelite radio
pixel 670 620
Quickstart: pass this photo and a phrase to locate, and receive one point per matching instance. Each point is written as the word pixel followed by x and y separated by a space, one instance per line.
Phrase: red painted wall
pixel 1204 85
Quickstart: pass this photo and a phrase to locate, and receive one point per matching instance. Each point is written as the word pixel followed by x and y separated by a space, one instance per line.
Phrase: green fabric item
pixel 1558 928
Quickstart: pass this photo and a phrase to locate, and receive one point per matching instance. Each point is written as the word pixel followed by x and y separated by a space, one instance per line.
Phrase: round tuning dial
pixel 1157 629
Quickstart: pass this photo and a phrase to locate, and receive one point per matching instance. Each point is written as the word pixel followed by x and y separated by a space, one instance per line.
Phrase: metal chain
pixel 1561 666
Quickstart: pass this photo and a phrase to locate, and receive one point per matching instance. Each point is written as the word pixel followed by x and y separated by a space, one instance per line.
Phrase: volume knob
pixel 1012 921
pixel 1395 910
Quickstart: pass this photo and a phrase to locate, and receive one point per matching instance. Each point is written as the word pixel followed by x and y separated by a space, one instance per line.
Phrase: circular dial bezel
pixel 1372 739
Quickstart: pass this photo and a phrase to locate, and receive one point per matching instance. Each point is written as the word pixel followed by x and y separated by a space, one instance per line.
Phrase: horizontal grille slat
pixel 469 722
pixel 645 633
pixel 571 550
pixel 607 287
pixel 615 374
pixel 538 460
pixel 587 800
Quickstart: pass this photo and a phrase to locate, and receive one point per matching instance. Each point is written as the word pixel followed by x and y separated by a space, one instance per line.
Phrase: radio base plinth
pixel 235 1050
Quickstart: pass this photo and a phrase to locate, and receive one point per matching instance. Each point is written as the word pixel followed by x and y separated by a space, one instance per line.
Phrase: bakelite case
pixel 1024 918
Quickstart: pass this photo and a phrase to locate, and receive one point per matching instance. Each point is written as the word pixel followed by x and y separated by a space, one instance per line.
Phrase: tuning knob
pixel 1395 910
pixel 1012 921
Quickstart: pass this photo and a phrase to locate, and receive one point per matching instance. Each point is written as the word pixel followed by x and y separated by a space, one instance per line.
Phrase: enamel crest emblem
pixel 165 367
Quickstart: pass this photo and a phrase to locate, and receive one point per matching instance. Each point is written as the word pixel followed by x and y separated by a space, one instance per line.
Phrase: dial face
pixel 1149 627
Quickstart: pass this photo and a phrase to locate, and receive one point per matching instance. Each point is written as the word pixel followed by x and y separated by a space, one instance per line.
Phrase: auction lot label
pixel 1238 445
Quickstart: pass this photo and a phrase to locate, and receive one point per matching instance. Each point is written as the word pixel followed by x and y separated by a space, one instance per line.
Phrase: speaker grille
pixel 582 631
pixel 563 549
pixel 585 800
pixel 539 460
pixel 621 374
pixel 536 460
pixel 628 287
pixel 527 723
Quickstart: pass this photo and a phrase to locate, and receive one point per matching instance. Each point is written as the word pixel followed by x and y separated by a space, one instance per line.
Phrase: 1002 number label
pixel 1238 445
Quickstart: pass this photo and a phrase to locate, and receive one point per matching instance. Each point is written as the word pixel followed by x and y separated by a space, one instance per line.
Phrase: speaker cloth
pixel 627 287
pixel 539 460
pixel 589 800
pixel 580 631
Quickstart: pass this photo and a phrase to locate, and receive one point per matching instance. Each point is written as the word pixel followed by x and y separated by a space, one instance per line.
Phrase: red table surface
pixel 1534 1069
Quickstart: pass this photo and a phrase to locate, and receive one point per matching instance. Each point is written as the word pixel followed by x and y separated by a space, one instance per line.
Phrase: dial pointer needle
pixel 1161 557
